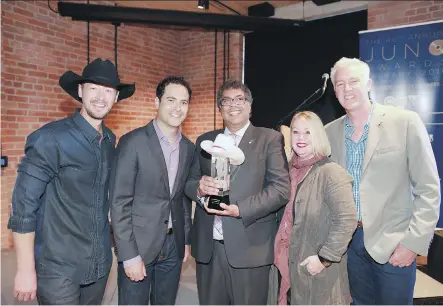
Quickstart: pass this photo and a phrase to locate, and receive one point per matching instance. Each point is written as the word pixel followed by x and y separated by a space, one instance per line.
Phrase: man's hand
pixel 25 281
pixel 137 271
pixel 187 252
pixel 207 186
pixel 313 265
pixel 25 285
pixel 402 257
pixel 229 210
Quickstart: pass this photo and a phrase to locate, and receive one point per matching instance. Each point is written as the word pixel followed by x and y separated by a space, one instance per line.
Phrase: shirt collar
pixel 88 130
pixel 240 132
pixel 368 121
pixel 162 136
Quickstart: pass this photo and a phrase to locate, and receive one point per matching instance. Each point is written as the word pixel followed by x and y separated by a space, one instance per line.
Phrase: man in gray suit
pixel 396 188
pixel 234 248
pixel 150 215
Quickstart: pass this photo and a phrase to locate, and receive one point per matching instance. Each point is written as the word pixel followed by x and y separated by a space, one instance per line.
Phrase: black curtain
pixel 283 69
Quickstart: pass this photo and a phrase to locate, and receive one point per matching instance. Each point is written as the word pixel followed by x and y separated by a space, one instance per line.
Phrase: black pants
pixel 218 283
pixel 160 286
pixel 55 289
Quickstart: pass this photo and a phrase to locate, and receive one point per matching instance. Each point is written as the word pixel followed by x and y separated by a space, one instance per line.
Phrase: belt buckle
pixel 360 224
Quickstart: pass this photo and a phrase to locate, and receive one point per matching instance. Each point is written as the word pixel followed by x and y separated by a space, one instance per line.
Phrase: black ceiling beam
pixel 324 2
pixel 107 13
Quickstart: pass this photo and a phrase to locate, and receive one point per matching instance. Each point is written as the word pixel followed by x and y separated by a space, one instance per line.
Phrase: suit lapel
pixel 246 145
pixel 157 153
pixel 374 134
pixel 341 151
pixel 183 154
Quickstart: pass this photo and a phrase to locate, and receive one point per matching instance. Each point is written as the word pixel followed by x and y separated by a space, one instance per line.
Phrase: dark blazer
pixel 260 186
pixel 140 199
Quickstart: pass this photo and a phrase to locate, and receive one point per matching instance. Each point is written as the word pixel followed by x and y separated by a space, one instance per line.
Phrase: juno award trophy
pixel 225 154
pixel 220 171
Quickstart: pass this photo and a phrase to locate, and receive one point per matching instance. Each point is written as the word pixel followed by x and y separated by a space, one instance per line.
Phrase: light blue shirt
pixel 355 153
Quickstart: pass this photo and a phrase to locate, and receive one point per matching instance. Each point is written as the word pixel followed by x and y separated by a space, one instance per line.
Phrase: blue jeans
pixel 372 283
pixel 160 286
pixel 55 289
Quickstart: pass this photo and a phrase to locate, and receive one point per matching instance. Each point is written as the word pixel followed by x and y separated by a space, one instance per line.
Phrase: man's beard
pixel 95 116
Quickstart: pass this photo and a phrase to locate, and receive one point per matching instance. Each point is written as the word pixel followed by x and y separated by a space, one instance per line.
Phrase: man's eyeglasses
pixel 352 83
pixel 233 101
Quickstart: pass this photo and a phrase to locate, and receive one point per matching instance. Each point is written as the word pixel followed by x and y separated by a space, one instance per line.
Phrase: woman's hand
pixel 313 265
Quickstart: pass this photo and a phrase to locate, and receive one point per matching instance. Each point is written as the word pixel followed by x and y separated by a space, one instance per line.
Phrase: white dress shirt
pixel 216 233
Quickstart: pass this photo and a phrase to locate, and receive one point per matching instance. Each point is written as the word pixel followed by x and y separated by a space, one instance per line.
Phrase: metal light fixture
pixel 137 15
pixel 203 4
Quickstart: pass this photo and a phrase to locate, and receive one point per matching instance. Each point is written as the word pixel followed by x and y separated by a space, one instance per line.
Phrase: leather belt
pixel 169 231
pixel 360 224
pixel 220 241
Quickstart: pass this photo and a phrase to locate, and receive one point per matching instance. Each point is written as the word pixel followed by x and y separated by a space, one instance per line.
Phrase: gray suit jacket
pixel 260 186
pixel 400 186
pixel 140 199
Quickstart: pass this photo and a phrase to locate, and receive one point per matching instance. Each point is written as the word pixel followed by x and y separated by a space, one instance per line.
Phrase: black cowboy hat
pixel 98 72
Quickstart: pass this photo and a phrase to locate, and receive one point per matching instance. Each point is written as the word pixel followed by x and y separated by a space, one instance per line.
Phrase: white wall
pixel 312 11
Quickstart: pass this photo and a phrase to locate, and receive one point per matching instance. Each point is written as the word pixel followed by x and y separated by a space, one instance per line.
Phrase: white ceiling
pixel 310 11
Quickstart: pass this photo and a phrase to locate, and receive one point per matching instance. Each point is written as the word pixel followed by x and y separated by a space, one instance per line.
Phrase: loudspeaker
pixel 324 2
pixel 264 9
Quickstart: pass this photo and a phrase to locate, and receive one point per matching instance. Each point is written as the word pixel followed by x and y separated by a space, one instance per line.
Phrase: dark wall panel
pixel 283 69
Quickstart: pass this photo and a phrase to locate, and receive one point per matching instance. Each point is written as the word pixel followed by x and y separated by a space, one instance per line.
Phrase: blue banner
pixel 407 71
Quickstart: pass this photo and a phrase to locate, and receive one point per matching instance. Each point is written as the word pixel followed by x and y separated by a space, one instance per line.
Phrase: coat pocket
pixel 304 271
pixel 387 150
pixel 139 221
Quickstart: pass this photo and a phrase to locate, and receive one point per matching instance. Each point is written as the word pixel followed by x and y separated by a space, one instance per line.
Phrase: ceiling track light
pixel 203 4
pixel 136 15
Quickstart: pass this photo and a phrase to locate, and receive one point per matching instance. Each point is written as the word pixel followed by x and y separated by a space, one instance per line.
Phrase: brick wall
pixel 38 46
pixel 383 14
pixel 198 65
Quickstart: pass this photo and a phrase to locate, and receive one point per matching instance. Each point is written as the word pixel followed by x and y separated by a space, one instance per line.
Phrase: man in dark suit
pixel 234 248
pixel 150 215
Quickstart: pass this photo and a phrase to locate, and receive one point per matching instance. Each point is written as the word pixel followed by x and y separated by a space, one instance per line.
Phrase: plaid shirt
pixel 355 153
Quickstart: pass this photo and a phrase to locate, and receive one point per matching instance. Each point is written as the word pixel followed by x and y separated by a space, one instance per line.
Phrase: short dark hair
pixel 233 84
pixel 172 80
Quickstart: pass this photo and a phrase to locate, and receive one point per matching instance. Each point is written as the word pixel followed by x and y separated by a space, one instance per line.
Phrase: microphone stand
pixel 321 89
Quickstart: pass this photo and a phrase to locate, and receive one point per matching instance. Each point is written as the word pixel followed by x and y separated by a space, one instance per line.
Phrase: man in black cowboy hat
pixel 60 200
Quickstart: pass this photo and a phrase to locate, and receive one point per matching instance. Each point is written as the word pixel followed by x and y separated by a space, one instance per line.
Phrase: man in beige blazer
pixel 396 187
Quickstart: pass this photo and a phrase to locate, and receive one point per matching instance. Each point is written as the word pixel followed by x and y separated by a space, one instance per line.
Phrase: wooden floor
pixel 187 295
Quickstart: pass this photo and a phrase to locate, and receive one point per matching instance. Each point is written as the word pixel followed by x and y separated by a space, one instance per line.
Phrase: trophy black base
pixel 215 200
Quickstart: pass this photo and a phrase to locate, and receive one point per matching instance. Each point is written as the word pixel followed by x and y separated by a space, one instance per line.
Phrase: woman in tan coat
pixel 317 225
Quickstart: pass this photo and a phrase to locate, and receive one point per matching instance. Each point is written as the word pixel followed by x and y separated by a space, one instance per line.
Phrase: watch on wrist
pixel 324 261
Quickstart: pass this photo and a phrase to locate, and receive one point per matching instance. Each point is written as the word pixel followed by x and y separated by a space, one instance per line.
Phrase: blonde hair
pixel 347 62
pixel 320 141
